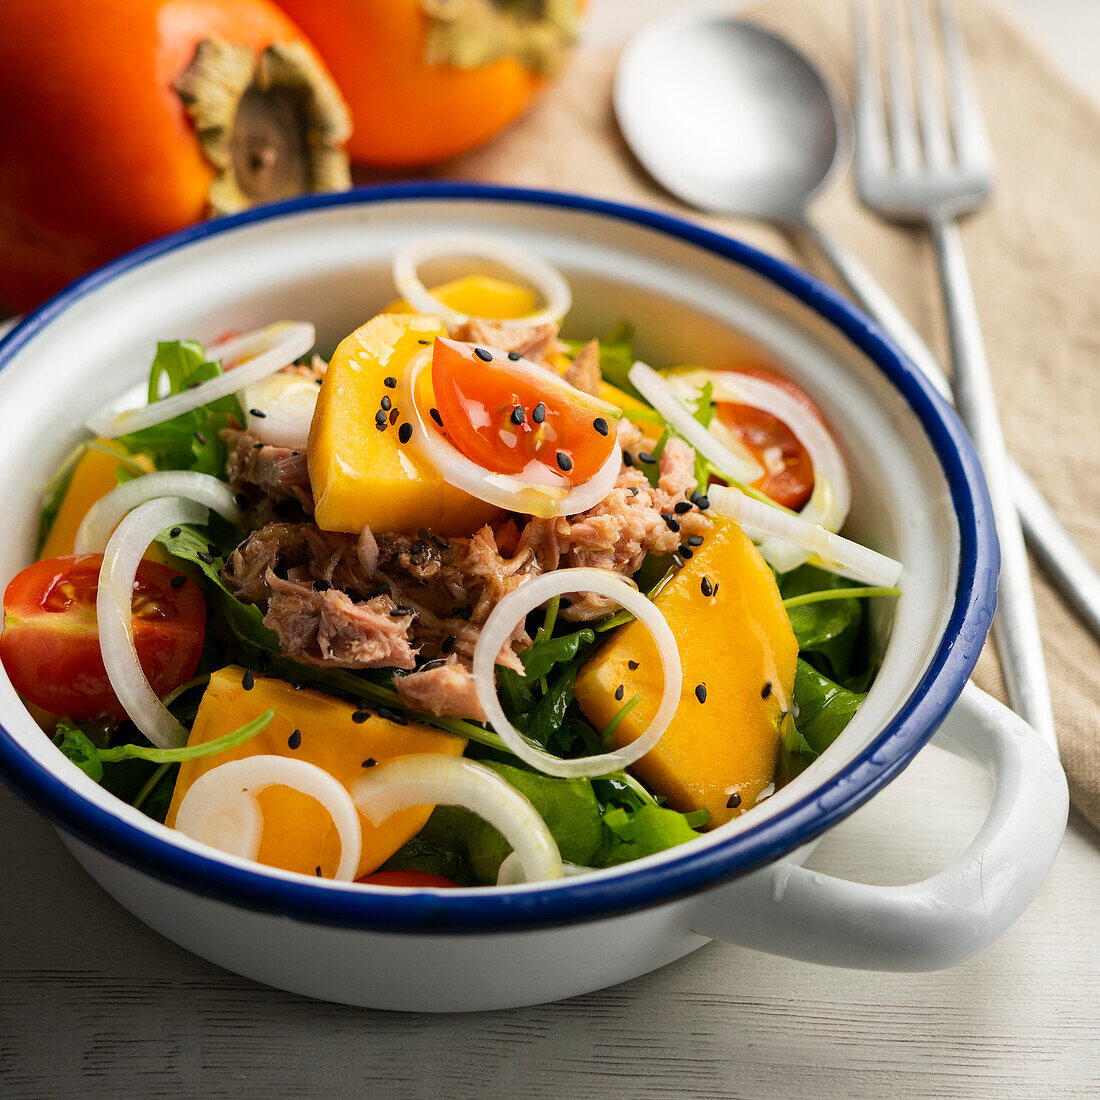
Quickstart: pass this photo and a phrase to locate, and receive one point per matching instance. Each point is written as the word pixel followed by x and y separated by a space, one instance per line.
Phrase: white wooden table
pixel 92 1002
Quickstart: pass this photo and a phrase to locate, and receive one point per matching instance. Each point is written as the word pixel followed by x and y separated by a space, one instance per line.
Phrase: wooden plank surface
pixel 93 1002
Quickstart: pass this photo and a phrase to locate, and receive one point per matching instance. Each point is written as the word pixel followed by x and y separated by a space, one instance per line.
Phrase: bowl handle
pixel 788 910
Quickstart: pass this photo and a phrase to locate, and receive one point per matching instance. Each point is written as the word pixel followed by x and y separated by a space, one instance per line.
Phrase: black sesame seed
pixel 565 463
pixel 632 665
pixel 695 540
pixel 386 402
pixel 380 417
pixel 672 524
pixel 620 691
pixel 538 413
pixel 317 871
pixel 462 612
pixel 259 413
pixel 716 588
pixel 201 438
pixel 212 550
pixel 645 456
pixel 205 557
pixel 734 801
pixel 248 681
pixel 178 582
pixel 294 741
pixel 369 762
pixel 703 503
pixel 241 501
pixel 514 355
pixel 423 341
pixel 393 716
pixel 378 590
pixel 682 507
pixel 483 355
pixel 564 603
pixel 404 433
pixel 766 690
pixel 380 424
pixel 701 692
pixel 321 585
pixel 399 612
pixel 707 587
pixel 418 548
pixel 360 716
pixel 257 446
pixel 174 533
pixel 442 543
pixel 517 416
pixel 600 425
pixel 390 383
pixel 394 414
pixel 686 552
pixel 448 643
pixel 436 417
pixel 633 490
pixel 628 458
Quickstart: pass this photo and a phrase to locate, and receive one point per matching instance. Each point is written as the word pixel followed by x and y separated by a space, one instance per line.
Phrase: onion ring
pixel 423 779
pixel 514 607
pixel 269 349
pixel 114 616
pixel 221 809
pixel 103 516
pixel 556 295
pixel 553 498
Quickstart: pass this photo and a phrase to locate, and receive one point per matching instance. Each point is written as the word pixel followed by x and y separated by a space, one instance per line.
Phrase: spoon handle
pixel 1061 558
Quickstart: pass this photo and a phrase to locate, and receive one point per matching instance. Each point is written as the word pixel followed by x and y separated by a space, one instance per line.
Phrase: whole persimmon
pixel 429 79
pixel 125 119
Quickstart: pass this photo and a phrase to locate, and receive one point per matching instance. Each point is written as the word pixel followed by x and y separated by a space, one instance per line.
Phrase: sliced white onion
pixel 837 554
pixel 287 402
pixel 221 807
pixel 264 351
pixel 736 465
pixel 96 527
pixel 511 870
pixel 556 295
pixel 831 497
pixel 550 496
pixel 114 617
pixel 424 779
pixel 514 608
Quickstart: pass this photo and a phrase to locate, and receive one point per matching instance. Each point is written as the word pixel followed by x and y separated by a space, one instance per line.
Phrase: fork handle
pixel 1016 624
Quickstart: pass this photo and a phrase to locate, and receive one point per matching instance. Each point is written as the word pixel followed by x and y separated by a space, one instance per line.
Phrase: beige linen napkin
pixel 1034 255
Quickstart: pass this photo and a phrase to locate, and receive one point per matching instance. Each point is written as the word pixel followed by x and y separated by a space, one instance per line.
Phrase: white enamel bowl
pixel 918 496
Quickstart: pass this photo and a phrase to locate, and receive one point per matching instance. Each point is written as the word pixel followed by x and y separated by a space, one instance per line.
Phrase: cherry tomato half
pixel 50 644
pixel 407 878
pixel 503 414
pixel 789 473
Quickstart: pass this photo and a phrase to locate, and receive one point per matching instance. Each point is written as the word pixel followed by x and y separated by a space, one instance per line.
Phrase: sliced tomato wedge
pixel 407 878
pixel 504 413
pixel 50 644
pixel 789 473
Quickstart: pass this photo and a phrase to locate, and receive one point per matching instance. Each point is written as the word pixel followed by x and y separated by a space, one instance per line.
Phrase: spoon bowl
pixel 730 118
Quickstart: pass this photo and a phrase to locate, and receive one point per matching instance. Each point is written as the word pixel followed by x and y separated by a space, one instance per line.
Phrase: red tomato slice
pixel 50 644
pixel 789 476
pixel 504 413
pixel 407 878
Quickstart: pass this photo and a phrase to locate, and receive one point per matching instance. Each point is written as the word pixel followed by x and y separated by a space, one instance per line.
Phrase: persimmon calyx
pixel 471 33
pixel 271 125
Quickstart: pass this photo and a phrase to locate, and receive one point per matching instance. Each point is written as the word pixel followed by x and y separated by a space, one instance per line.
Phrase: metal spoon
pixel 733 120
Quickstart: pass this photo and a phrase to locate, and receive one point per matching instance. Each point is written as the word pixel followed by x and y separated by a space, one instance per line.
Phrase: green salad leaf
pixel 823 706
pixel 828 629
pixel 192 440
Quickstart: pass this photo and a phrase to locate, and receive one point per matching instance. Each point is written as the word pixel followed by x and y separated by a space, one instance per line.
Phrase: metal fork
pixel 932 165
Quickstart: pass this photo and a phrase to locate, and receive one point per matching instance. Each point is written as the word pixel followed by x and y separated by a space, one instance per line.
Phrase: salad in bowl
pixel 463 604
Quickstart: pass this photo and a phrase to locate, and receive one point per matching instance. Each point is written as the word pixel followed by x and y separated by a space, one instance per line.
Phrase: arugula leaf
pixel 616 356
pixel 641 832
pixel 823 707
pixel 191 544
pixel 541 657
pixel 829 628
pixel 77 746
pixel 192 440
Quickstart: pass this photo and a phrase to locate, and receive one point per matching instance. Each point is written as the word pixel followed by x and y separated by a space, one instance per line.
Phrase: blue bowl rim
pixel 477 912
